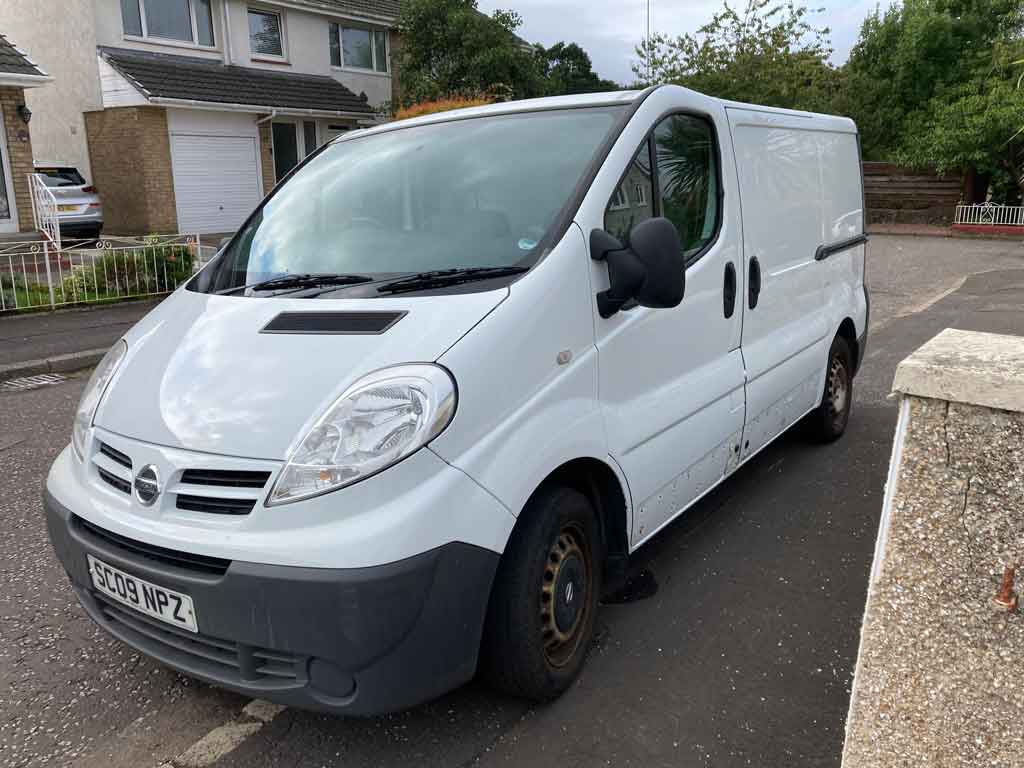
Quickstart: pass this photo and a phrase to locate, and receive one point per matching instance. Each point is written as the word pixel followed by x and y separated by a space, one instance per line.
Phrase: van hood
pixel 200 375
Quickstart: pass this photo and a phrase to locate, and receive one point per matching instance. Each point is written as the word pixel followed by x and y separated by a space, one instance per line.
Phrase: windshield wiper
pixel 439 278
pixel 298 280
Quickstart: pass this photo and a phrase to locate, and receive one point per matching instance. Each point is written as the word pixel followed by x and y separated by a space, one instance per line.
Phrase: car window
pixel 61 177
pixel 632 200
pixel 687 174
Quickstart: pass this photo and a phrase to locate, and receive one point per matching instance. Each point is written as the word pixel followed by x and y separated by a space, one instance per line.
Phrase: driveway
pixel 743 656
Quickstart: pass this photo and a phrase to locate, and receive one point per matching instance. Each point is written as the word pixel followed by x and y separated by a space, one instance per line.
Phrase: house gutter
pixel 360 117
pixel 271 116
pixel 24 81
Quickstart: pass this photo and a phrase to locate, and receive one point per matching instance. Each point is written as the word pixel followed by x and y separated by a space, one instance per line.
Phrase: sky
pixel 610 29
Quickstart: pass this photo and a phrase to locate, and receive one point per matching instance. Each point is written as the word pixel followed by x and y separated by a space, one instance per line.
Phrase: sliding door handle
pixel 754 283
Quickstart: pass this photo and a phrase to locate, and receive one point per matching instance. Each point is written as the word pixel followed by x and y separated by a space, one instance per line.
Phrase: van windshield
pixel 472 193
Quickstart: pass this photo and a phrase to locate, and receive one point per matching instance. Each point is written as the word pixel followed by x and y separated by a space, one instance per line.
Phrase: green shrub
pixel 129 272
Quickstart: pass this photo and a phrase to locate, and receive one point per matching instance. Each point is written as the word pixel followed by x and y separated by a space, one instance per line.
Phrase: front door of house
pixel 8 213
pixel 286 149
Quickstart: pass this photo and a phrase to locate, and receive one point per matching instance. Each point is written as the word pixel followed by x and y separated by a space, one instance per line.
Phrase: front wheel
pixel 540 620
pixel 828 421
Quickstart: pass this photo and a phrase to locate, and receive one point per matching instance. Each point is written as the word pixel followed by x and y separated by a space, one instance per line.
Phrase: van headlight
pixel 379 420
pixel 93 394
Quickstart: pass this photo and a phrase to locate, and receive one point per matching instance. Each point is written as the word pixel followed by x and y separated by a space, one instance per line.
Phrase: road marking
pixel 226 738
pixel 26 383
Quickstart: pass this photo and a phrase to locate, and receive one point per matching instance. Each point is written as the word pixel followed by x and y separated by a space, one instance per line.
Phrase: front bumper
pixel 354 641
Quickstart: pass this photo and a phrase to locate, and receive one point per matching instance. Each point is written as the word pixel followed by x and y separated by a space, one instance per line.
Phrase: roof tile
pixel 162 75
pixel 14 62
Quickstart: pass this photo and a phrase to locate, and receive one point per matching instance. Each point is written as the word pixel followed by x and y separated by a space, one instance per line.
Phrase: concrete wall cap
pixel 985 369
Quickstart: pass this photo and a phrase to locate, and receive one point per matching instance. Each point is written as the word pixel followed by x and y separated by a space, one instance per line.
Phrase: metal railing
pixel 37 274
pixel 44 209
pixel 990 214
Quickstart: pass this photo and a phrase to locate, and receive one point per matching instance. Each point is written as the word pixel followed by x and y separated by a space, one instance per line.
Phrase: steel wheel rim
pixel 565 595
pixel 838 389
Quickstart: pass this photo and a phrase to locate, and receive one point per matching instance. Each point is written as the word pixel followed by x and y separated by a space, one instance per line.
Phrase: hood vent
pixel 333 322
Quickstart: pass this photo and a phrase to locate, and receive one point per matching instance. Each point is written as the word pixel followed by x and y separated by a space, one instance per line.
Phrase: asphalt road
pixel 744 655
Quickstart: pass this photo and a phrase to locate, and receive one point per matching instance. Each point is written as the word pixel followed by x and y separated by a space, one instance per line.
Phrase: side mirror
pixel 223 242
pixel 650 271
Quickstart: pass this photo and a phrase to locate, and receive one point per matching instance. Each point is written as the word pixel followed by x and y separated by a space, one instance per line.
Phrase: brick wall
pixel 267 156
pixel 20 153
pixel 130 151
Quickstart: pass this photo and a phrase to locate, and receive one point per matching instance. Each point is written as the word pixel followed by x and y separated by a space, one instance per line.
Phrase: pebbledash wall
pixel 19 148
pixel 132 143
pixel 938 679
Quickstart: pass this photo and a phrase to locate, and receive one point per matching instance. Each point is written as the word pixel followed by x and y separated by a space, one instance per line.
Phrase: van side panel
pixel 843 209
pixel 799 192
pixel 781 189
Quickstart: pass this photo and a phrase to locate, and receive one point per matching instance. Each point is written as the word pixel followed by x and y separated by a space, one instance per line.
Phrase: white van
pixel 449 375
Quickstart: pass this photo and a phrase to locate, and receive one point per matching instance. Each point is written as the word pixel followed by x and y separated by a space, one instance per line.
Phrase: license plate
pixel 159 602
pixel 67 208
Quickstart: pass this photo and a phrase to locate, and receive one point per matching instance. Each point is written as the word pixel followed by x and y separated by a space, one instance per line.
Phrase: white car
pixel 79 208
pixel 417 414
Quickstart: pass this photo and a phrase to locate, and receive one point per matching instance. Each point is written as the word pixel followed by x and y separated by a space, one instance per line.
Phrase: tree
pixel 450 49
pixel 767 53
pixel 567 68
pixel 931 83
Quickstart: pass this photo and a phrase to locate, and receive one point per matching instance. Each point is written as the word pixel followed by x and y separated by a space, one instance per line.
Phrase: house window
pixel 641 194
pixel 265 37
pixel 185 21
pixel 359 48
pixel 618 201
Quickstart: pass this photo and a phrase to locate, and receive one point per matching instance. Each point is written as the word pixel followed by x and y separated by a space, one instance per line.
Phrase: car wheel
pixel 828 421
pixel 540 619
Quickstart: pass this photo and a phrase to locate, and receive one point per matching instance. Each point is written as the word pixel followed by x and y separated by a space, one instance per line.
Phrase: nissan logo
pixel 147 485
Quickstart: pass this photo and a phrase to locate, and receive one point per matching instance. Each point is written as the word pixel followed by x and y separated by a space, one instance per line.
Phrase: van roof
pixel 579 100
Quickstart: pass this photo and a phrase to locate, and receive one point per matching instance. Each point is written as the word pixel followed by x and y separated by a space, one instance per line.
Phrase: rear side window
pixel 687 161
pixel 685 177
pixel 61 177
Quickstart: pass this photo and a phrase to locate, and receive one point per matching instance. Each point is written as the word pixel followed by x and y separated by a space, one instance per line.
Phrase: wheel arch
pixel 608 494
pixel 848 331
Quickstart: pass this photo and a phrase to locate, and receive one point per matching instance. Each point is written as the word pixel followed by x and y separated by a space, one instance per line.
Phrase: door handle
pixel 729 291
pixel 754 283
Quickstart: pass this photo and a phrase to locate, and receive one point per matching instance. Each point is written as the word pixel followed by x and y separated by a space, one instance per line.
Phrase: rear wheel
pixel 540 620
pixel 828 421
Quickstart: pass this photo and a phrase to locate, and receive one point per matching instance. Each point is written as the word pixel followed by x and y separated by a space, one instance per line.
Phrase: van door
pixel 785 326
pixel 671 380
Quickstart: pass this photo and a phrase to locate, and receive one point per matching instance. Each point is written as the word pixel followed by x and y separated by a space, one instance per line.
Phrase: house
pixel 203 105
pixel 17 73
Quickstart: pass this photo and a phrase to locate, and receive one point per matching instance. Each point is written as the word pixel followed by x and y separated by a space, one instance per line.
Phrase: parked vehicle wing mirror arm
pixel 651 270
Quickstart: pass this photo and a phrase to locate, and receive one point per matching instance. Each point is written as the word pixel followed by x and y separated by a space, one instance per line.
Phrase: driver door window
pixel 631 202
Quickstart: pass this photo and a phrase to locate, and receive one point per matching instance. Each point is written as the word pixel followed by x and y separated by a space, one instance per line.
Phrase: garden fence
pixel 43 274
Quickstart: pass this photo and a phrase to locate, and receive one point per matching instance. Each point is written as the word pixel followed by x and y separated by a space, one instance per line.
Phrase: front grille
pixel 214 505
pixel 152 553
pixel 115 455
pixel 122 485
pixel 224 659
pixel 227 478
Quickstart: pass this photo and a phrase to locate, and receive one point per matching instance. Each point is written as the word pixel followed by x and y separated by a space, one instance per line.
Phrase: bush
pixel 440 105
pixel 129 272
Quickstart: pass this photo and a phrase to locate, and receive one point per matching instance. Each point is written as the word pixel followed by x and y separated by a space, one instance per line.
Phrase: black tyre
pixel 540 619
pixel 828 421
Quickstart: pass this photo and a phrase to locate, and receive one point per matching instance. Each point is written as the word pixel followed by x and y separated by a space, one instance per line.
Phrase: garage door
pixel 216 181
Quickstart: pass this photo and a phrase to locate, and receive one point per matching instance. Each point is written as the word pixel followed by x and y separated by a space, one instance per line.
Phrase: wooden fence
pixel 898 195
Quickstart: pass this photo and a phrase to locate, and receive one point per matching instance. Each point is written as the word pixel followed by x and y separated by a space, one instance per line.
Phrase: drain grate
pixel 31 382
